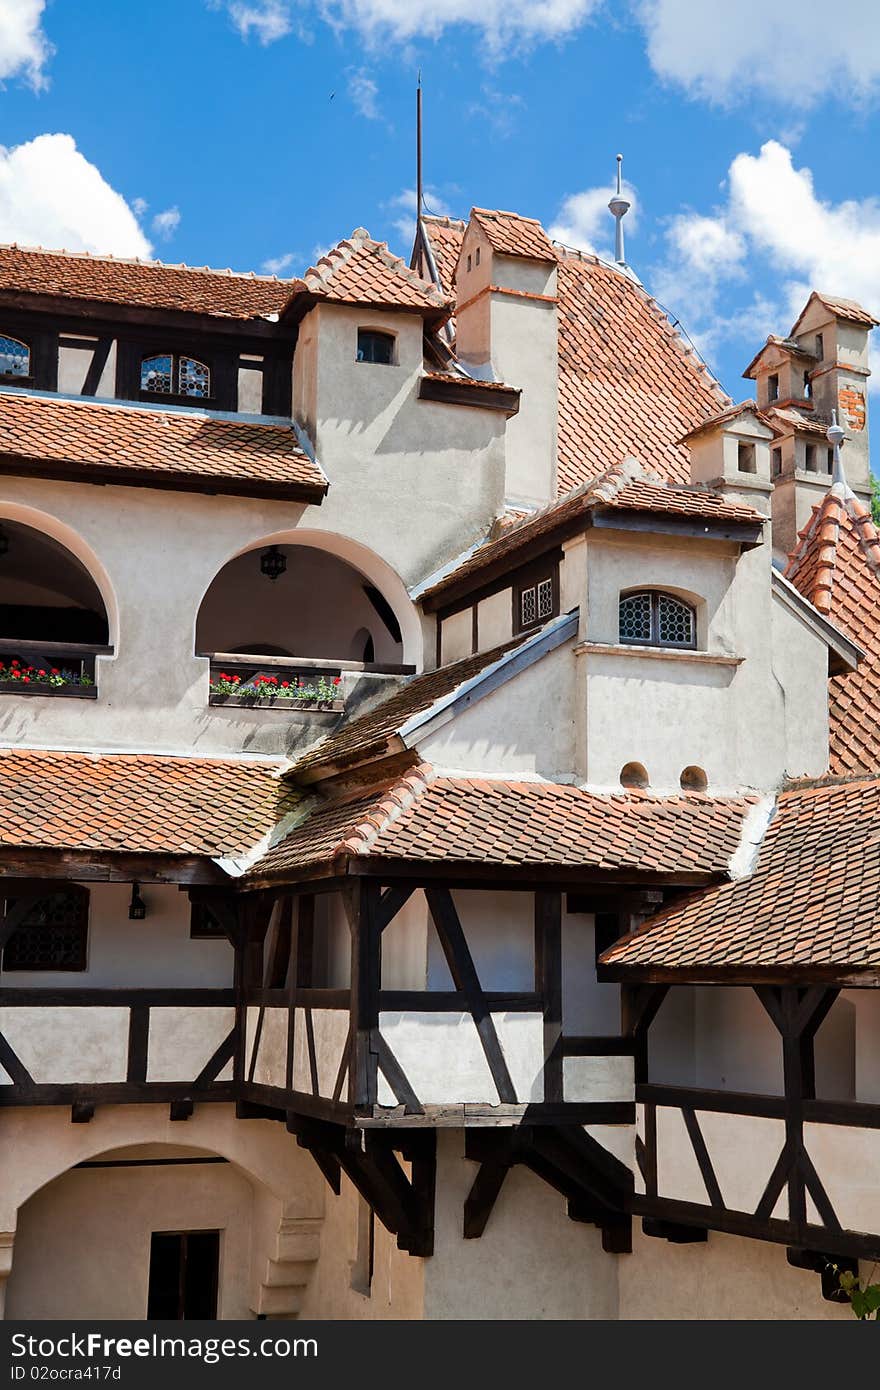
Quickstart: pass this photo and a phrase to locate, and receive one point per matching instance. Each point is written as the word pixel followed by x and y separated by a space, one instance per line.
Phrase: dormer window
pixel 653 619
pixel 15 358
pixel 167 374
pixel 535 601
pixel 375 347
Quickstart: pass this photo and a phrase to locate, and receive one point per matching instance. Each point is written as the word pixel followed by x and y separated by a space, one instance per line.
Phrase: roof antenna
pixel 619 207
pixel 836 437
pixel 419 191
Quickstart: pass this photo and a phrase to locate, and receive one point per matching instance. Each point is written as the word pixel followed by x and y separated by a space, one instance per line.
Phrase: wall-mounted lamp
pixel 137 908
pixel 273 563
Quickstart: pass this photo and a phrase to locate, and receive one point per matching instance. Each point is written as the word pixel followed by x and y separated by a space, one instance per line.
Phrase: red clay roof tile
pixel 155 446
pixel 138 802
pixel 811 900
pixel 360 270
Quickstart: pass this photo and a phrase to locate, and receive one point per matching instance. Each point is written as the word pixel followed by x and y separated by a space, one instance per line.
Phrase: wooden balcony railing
pixel 287 683
pixel 57 669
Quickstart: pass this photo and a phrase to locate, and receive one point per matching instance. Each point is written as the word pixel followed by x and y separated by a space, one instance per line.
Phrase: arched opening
pixel 634 776
pixel 298 601
pixel 53 620
pixel 693 779
pixel 156 1229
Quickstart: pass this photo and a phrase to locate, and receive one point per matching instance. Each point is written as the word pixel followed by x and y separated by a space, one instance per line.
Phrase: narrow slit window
pixel 773 388
pixel 15 357
pixel 657 620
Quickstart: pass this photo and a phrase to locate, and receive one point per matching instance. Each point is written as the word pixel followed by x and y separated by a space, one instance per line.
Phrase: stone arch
pixel 287 1189
pixel 369 566
pixel 71 541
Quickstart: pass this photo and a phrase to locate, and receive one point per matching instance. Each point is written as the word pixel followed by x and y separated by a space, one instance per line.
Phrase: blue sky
pixel 255 133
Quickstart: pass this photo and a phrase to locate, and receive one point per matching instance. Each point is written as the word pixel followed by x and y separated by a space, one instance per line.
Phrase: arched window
pixel 15 357
pixel 166 374
pixel 655 619
pixel 49 929
pixel 374 346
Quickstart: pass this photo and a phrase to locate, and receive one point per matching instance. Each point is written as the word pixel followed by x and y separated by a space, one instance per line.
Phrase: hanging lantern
pixel 273 563
pixel 137 908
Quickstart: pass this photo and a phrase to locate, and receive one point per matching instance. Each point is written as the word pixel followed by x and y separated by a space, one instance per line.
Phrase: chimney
pixel 731 454
pixel 506 325
pixel 820 369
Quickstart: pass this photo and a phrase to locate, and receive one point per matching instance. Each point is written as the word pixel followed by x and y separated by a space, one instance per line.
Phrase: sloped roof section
pixel 137 803
pixel 627 382
pixel 437 819
pixel 841 308
pixel 367 736
pixel 624 488
pixel 360 270
pixel 445 235
pixel 148 284
pixel 836 565
pixel 48 436
pixel 811 901
pixel 510 234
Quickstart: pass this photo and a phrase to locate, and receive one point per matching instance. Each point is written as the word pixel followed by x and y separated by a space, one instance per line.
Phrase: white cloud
pixel 276 265
pixel 363 92
pixel 50 195
pixel 584 221
pixel 793 51
pixel 773 225
pixel 499 108
pixel 166 223
pixel 24 47
pixel 139 206
pixel 500 21
pixel 267 20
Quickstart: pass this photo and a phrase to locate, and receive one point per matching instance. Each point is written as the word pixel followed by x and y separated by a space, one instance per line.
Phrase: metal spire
pixel 836 436
pixel 619 207
pixel 419 189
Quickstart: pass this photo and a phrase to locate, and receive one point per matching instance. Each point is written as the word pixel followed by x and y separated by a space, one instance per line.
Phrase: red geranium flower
pixel 285 685
pixel 337 680
pixel 42 673
pixel 55 671
pixel 25 679
pixel 15 663
pixel 235 680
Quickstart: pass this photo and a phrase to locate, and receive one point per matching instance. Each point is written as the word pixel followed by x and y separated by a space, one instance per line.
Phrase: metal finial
pixel 619 206
pixel 836 436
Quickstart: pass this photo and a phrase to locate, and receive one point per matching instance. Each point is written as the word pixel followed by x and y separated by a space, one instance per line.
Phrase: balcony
pixel 305 684
pixel 57 670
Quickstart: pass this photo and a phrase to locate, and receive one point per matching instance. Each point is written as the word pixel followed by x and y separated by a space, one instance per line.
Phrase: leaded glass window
pixel 166 374
pixel 15 357
pixel 157 375
pixel 194 378
pixel 535 603
pixel 657 620
pixel 52 934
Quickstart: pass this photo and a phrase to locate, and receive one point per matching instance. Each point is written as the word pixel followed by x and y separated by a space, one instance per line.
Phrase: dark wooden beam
pixel 548 984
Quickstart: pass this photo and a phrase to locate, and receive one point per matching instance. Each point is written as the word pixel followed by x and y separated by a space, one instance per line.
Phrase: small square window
pixel 745 459
pixel 203 925
pixel 375 347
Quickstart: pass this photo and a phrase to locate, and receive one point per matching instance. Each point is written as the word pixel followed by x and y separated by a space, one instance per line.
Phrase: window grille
pixel 657 619
pixel 53 934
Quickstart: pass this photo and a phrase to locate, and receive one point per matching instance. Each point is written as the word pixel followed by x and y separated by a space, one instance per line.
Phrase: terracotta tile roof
pixel 149 284
pixel 507 824
pixel 445 235
pixel 783 420
pixel 366 736
pixel 733 412
pixel 360 270
pixel 458 379
pixel 811 900
pixel 622 488
pixel 154 446
pixel 137 803
pixel 512 235
pixel 836 565
pixel 627 382
pixel 846 309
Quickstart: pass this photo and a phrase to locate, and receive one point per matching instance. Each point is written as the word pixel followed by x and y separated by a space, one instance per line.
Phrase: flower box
pixel 277 703
pixel 53 692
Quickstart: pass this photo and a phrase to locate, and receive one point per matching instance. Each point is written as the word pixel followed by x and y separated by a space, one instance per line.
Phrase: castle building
pixel 439 778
